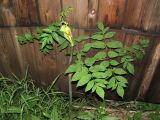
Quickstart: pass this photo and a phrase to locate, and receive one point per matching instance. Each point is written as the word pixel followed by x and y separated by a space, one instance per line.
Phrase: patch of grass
pixel 22 100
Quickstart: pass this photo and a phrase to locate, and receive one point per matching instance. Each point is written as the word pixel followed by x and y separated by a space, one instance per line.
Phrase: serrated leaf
pixel 101 85
pixel 100 26
pixel 100 55
pixel 103 81
pixel 84 80
pixel 44 35
pixel 105 63
pixel 105 30
pixel 56 37
pixel 21 39
pixel 130 68
pixel 44 43
pixel 94 88
pixel 77 76
pixel 121 79
pixel 89 85
pixel 99 68
pixel 72 68
pixel 47 30
pixel 86 47
pixel 45 50
pixel 81 38
pixel 97 37
pixel 83 69
pixel 108 73
pixel 52 27
pixel 99 75
pixel 90 61
pixel 112 54
pixel 114 44
pixel 111 83
pixel 109 34
pixel 28 37
pixel 114 62
pixel 121 51
pixel 100 92
pixel 122 84
pixel 99 44
pixel 50 47
pixel 126 58
pixel 63 45
pixel 125 64
pixel 119 71
pixel 120 91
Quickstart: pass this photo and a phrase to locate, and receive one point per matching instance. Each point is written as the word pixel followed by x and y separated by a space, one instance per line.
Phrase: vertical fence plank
pixel 49 11
pixel 154 89
pixel 28 53
pixel 80 12
pixel 140 66
pixel 111 12
pixel 9 55
pixel 19 12
pixel 143 14
pixel 92 13
pixel 7 17
pixel 71 19
pixel 150 70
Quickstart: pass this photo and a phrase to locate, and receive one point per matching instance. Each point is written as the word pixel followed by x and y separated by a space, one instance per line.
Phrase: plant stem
pixel 70 84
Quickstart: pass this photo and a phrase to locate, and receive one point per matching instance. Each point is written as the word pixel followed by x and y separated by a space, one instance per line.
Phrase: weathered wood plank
pixel 154 89
pixel 143 15
pixel 140 66
pixel 111 12
pixel 28 53
pixel 19 13
pixel 80 14
pixel 150 70
pixel 8 54
pixel 92 13
pixel 49 11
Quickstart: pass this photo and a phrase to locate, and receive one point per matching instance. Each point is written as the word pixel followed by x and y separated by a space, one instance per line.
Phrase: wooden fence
pixel 131 19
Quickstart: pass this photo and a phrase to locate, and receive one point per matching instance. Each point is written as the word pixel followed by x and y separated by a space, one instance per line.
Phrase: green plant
pixel 108 67
pixel 58 33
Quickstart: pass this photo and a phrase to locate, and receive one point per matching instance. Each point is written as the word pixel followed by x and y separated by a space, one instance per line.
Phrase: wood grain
pixel 143 15
pixel 150 70
pixel 111 12
pixel 18 13
pixel 80 13
pixel 49 11
pixel 92 13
